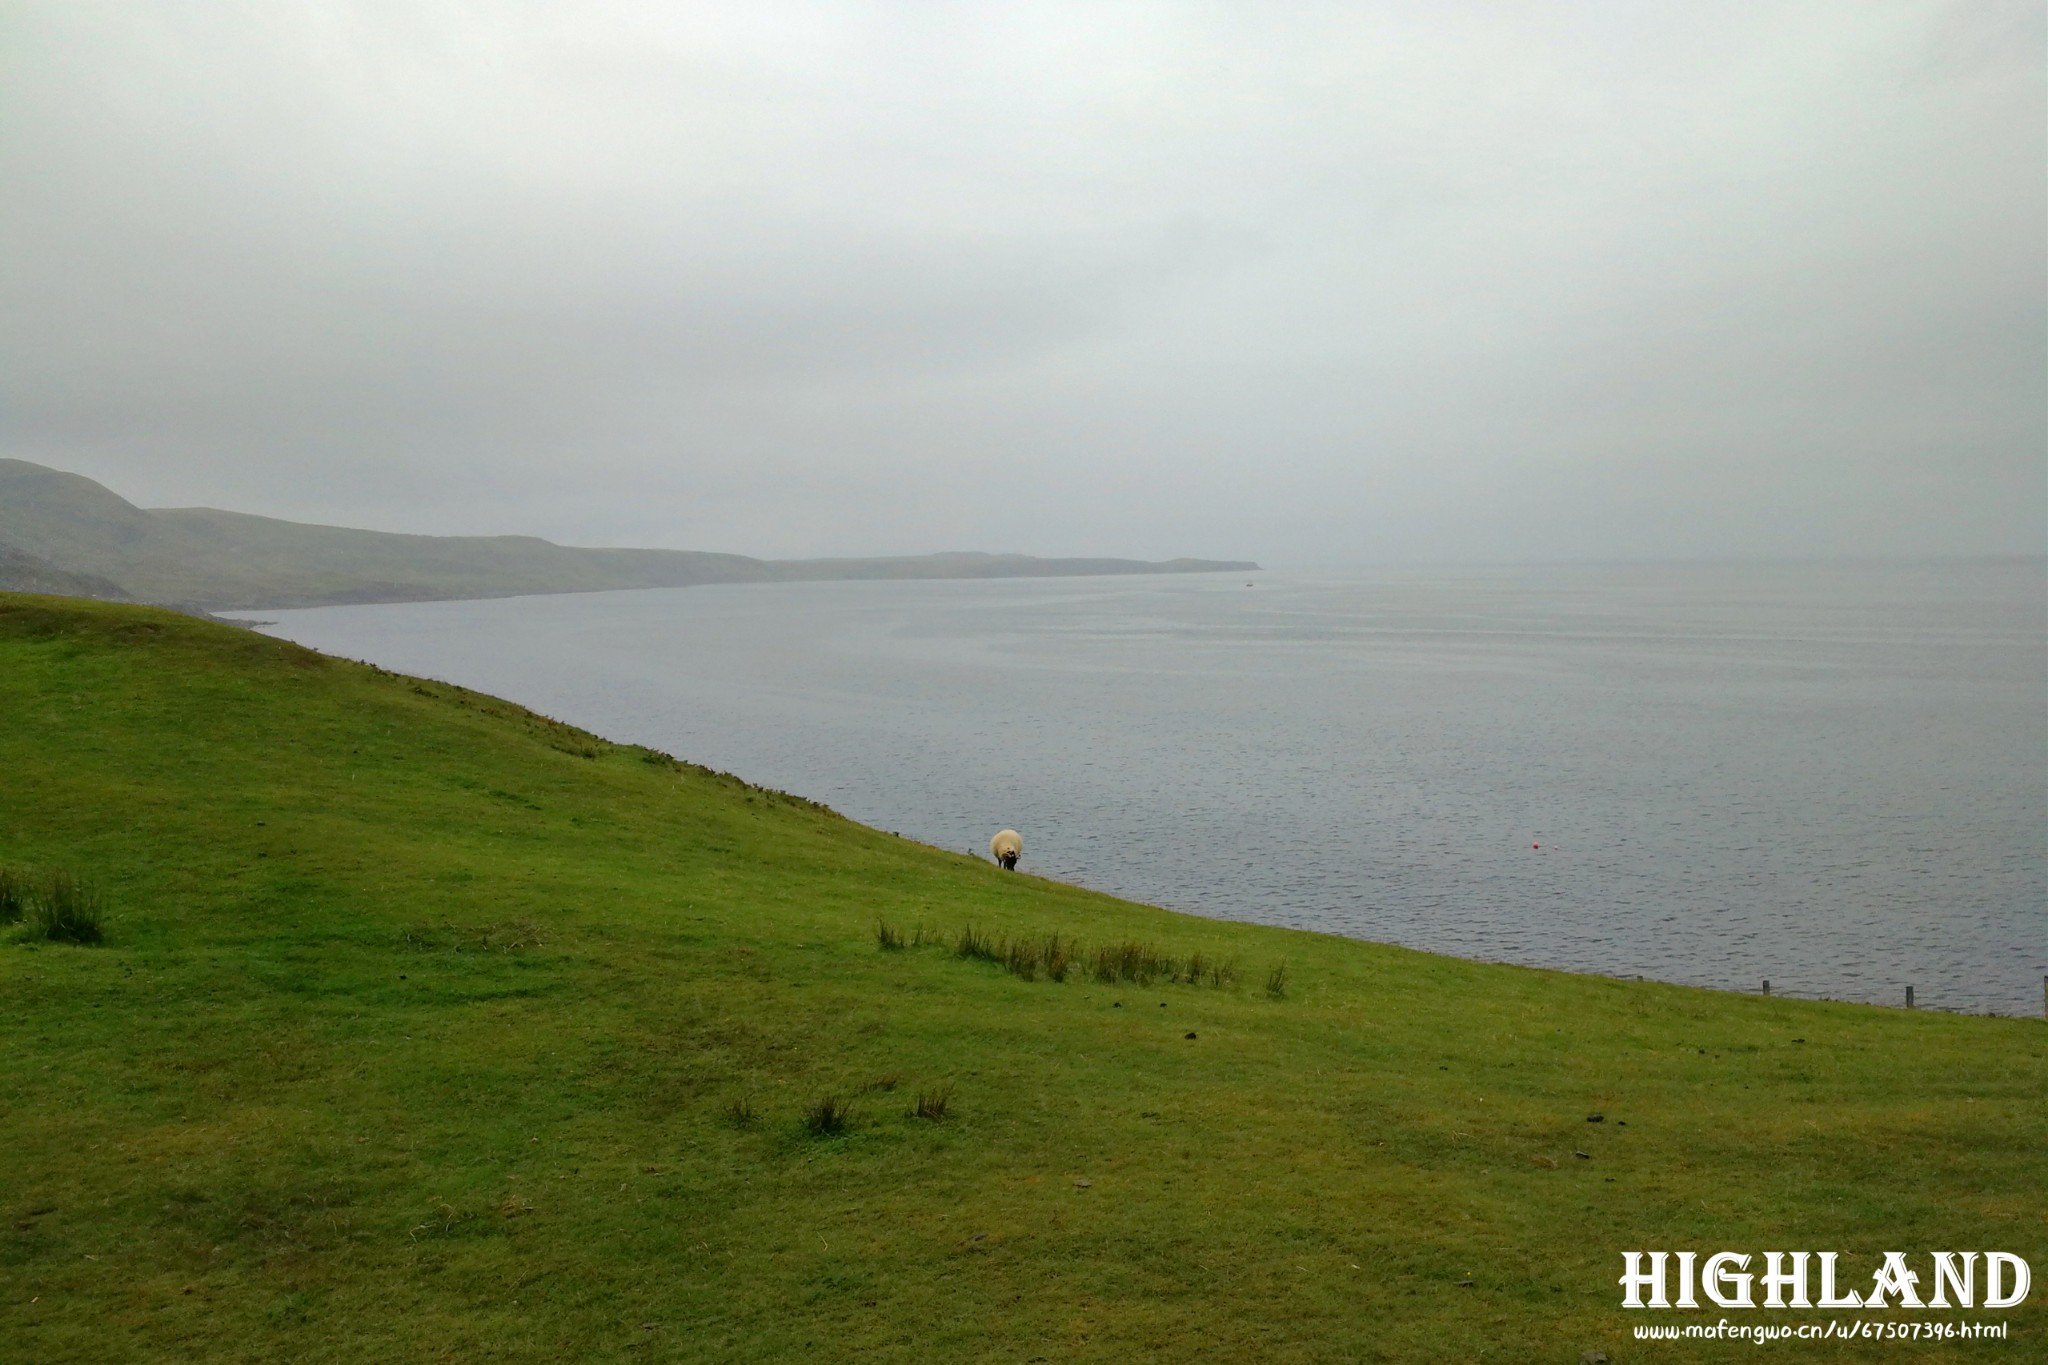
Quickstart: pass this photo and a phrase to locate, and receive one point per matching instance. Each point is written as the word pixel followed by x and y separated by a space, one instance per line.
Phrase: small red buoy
pixel 1536 846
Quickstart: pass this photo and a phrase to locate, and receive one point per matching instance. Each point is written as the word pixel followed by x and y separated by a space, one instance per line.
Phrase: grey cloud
pixel 1292 282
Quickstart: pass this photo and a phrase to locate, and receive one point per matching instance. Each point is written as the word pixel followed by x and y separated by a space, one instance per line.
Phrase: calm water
pixel 1832 776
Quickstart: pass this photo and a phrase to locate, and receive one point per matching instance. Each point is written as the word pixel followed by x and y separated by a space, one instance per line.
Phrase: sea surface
pixel 1832 776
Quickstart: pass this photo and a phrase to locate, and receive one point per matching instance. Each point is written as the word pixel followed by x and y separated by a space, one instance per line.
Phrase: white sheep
pixel 1006 848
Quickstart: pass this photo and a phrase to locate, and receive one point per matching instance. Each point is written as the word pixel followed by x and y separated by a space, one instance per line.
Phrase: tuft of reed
pixel 740 1112
pixel 1276 982
pixel 68 910
pixel 1056 956
pixel 14 894
pixel 828 1116
pixel 1138 963
pixel 887 939
pixel 1021 959
pixel 974 944
pixel 931 1104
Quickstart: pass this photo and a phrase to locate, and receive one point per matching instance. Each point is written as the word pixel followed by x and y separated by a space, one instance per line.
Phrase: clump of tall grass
pixel 1111 962
pixel 1029 956
pixel 69 910
pixel 1020 959
pixel 974 944
pixel 1276 982
pixel 1200 969
pixel 517 936
pixel 1057 956
pixel 931 1104
pixel 1138 963
pixel 887 939
pixel 828 1116
pixel 59 906
pixel 740 1112
pixel 1216 972
pixel 14 895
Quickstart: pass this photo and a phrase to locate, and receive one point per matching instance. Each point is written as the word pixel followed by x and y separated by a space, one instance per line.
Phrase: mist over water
pixel 1834 776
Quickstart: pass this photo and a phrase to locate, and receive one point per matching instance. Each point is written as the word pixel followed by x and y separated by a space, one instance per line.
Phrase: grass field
pixel 427 1029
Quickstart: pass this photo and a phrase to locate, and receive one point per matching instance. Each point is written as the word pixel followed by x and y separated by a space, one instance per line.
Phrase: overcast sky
pixel 1298 282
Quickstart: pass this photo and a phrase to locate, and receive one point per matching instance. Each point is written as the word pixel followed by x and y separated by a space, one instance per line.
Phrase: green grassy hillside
pixel 65 524
pixel 425 1028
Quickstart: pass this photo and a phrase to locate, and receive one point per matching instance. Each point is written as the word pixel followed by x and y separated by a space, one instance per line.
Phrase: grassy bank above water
pixel 425 1028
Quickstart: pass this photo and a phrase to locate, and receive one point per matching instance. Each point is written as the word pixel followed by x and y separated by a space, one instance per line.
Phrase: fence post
pixel 1909 997
pixel 1767 985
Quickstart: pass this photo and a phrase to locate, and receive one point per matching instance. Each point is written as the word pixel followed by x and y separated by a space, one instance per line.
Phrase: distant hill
pixel 64 533
pixel 21 571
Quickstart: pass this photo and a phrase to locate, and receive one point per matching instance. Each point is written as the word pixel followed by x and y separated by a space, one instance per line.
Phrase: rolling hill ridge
pixel 58 528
